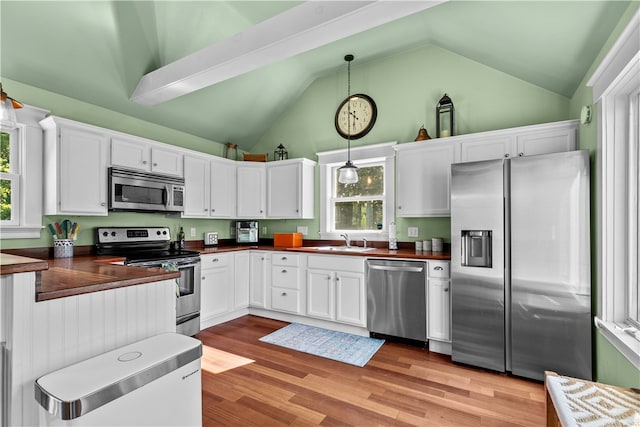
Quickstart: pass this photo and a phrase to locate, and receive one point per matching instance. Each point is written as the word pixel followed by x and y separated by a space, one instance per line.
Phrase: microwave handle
pixel 168 195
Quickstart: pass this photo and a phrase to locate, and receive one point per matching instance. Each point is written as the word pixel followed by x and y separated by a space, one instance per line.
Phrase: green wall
pixel 406 88
pixel 610 366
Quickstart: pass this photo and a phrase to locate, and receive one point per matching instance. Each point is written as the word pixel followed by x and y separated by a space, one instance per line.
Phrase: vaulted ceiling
pixel 98 51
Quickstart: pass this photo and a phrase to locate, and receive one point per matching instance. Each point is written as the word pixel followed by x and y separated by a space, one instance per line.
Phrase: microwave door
pixel 134 194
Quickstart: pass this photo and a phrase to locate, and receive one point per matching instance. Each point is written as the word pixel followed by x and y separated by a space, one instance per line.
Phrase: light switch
pixel 193 232
pixel 412 232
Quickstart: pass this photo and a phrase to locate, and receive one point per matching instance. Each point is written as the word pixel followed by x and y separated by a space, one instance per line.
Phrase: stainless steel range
pixel 152 247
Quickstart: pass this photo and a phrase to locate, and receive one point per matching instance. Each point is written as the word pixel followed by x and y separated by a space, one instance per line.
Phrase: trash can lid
pixel 77 389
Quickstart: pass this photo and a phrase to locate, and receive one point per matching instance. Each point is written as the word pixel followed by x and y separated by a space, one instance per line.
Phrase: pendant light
pixel 348 174
pixel 8 108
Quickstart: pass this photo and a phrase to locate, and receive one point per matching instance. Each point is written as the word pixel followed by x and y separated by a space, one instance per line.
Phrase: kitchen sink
pixel 343 248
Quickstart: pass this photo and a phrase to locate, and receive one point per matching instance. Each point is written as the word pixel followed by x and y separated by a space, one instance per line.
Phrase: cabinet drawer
pixel 439 269
pixel 285 259
pixel 337 263
pixel 285 300
pixel 285 277
pixel 215 260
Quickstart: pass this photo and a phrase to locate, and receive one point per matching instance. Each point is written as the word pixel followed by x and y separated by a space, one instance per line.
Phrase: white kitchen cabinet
pixel 439 306
pixel 290 188
pixel 242 280
pixel 197 187
pixel 217 286
pixel 518 142
pixel 260 269
pixel 75 168
pixel 223 188
pixel 423 178
pixel 286 282
pixel 251 190
pixel 138 153
pixel 336 289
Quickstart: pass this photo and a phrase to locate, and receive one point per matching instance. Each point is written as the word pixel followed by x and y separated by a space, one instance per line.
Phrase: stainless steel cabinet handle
pixel 205 209
pixel 438 268
pixel 215 260
pixel 204 278
pixel 284 271
pixel 284 258
pixel 103 204
pixel 520 154
pixel 144 162
pixel 213 210
pixel 328 277
pixel 284 294
pixel 155 164
pixel 446 289
pixel 399 207
pixel 391 268
pixel 506 155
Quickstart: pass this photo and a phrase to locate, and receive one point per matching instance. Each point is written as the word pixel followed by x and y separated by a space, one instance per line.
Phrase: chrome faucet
pixel 347 241
pixel 364 242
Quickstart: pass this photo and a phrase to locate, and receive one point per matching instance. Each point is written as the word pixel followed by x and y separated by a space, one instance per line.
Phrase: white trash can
pixel 153 382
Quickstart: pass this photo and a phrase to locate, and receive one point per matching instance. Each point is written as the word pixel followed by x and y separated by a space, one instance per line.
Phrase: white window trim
pixel 614 82
pixel 329 159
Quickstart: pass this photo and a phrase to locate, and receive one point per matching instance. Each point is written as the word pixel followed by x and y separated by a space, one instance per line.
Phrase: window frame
pixel 616 92
pixel 16 144
pixel 360 156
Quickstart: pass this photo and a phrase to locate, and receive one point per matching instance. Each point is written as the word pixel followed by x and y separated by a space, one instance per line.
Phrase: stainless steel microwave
pixel 141 191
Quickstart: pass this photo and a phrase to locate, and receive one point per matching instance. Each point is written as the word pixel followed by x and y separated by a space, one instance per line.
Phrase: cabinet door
pixel 475 150
pixel 283 191
pixel 251 191
pixel 216 286
pixel 320 294
pixel 223 190
pixel 259 270
pixel 82 184
pixel 351 303
pixel 241 280
pixel 546 141
pixel 423 180
pixel 130 154
pixel 439 310
pixel 167 162
pixel 196 183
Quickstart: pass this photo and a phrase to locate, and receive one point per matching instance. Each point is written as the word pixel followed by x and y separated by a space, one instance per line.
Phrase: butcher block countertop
pixel 64 277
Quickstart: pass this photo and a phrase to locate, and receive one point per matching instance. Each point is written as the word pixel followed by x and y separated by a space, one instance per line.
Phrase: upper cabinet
pixel 210 187
pixel 423 178
pixel 134 153
pixel 518 142
pixel 423 169
pixel 251 195
pixel 223 188
pixel 75 168
pixel 290 188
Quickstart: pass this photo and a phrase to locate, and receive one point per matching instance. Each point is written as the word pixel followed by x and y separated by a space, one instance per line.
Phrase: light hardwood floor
pixel 247 382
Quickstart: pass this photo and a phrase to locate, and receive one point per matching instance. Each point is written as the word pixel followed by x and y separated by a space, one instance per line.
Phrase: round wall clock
pixel 356 115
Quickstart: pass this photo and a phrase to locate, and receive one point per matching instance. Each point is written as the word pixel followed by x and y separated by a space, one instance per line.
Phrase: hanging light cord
pixel 349 58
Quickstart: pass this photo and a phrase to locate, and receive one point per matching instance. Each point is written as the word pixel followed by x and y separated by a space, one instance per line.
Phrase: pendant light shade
pixel 8 108
pixel 348 174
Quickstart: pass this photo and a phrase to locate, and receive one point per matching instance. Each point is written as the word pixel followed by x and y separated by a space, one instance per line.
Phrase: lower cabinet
pixel 242 280
pixel 259 270
pixel 287 285
pixel 439 306
pixel 217 285
pixel 336 289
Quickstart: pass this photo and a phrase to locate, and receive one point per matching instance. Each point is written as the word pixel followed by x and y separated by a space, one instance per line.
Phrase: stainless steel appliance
pixel 141 191
pixel 520 265
pixel 151 247
pixel 246 232
pixel 396 298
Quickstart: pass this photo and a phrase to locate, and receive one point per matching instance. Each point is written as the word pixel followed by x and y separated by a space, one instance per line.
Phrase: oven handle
pixel 168 194
pixel 183 263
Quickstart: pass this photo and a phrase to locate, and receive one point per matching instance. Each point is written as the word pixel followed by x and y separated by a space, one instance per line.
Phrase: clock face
pixel 356 115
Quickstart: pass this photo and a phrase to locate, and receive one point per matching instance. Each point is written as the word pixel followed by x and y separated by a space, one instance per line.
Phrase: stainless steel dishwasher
pixel 396 298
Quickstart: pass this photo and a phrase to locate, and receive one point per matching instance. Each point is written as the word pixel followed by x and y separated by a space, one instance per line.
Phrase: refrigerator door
pixel 478 297
pixel 550 265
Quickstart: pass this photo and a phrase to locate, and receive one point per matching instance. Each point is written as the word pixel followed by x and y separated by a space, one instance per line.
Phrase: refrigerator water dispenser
pixel 476 248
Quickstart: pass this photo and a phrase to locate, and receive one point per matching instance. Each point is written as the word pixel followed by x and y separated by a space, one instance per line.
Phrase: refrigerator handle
pixel 507 263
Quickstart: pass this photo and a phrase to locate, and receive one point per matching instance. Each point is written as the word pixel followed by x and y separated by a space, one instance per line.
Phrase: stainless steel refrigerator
pixel 520 264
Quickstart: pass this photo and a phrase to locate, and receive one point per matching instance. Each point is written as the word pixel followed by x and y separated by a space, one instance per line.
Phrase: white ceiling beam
pixel 299 29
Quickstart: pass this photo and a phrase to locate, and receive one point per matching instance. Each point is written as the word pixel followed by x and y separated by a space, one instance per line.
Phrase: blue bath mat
pixel 340 346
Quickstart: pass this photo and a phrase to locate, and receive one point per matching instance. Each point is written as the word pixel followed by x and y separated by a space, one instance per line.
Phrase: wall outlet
pixel 412 232
pixel 193 232
pixel 303 229
pixel 264 230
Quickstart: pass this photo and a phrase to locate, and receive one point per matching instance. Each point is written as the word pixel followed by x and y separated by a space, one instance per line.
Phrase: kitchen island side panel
pixel 49 335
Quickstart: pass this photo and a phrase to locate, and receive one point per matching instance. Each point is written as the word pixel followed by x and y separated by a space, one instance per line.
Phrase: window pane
pixel 358 215
pixel 5 152
pixel 5 199
pixel 370 183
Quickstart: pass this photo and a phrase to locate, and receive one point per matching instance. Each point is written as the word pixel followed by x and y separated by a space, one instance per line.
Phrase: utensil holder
pixel 62 248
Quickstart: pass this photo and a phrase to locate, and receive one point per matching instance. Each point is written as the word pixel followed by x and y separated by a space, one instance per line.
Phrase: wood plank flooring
pixel 402 385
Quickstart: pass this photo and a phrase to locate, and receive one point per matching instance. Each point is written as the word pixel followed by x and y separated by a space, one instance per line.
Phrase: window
pixel 364 209
pixel 616 89
pixel 9 178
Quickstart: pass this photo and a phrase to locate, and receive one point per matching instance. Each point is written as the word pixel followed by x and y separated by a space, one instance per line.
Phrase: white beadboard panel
pixel 50 335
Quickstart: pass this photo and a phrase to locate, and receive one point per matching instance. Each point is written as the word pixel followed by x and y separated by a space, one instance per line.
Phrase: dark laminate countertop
pixel 63 277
